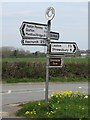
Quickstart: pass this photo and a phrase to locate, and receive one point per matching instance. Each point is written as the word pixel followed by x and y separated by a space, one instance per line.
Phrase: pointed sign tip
pixel 75 48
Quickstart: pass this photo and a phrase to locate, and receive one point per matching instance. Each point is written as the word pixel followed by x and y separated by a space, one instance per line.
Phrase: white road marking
pixel 9 91
pixel 26 91
pixel 79 87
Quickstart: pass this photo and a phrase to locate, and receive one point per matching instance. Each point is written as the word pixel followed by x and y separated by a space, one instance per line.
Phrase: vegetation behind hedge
pixel 37 70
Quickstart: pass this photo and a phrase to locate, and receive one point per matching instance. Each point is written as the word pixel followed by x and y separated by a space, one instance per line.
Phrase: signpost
pixel 40 34
pixel 63 47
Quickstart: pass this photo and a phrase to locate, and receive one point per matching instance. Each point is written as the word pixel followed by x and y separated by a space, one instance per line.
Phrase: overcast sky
pixel 71 21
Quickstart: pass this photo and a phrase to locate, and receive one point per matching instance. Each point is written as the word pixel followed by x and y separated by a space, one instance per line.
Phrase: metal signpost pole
pixel 47 63
pixel 50 13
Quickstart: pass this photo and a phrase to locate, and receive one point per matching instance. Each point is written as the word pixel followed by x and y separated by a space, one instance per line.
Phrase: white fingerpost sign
pixel 33 30
pixel 63 47
pixel 33 42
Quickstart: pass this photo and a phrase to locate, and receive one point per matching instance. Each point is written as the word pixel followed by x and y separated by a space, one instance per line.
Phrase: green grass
pixel 16 80
pixel 66 60
pixel 68 79
pixel 0 59
pixel 53 79
pixel 76 60
pixel 60 105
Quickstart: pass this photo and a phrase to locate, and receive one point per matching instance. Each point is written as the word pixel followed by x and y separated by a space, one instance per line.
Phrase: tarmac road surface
pixel 14 93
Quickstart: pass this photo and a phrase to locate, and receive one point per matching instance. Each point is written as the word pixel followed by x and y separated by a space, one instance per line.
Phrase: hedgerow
pixel 38 70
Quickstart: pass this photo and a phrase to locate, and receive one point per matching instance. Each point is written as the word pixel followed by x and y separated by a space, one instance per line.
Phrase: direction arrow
pixel 31 30
pixel 63 47
pixel 33 42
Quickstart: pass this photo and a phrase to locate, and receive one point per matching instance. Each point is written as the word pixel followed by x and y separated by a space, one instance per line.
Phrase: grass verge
pixel 53 79
pixel 64 104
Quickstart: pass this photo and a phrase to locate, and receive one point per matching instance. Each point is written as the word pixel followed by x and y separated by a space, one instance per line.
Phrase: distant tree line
pixel 11 52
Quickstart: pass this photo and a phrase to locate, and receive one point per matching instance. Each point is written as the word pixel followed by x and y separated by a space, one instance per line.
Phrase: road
pixel 16 93
pixel 13 93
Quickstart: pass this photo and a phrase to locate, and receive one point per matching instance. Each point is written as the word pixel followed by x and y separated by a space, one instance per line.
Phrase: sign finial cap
pixel 50 13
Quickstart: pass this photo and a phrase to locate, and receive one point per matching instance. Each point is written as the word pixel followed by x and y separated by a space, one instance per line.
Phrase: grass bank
pixel 64 104
pixel 53 79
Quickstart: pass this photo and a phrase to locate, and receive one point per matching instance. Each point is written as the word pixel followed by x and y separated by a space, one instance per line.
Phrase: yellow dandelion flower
pixel 46 112
pixel 65 93
pixel 57 101
pixel 51 111
pixel 56 92
pixel 56 96
pixel 80 119
pixel 49 114
pixel 62 93
pixel 34 113
pixel 31 112
pixel 70 93
pixel 27 113
pixel 82 108
pixel 39 103
pixel 76 92
pixel 86 96
pixel 53 93
pixel 60 96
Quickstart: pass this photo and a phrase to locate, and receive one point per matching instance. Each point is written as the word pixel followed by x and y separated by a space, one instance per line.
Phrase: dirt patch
pixel 9 111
